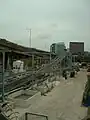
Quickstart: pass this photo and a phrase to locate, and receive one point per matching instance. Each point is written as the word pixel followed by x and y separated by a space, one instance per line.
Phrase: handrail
pixel 41 115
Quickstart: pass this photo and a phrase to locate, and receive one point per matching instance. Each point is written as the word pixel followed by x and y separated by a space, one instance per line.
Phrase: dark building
pixel 76 48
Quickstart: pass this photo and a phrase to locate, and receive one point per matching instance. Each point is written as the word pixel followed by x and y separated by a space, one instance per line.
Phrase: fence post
pixel 26 116
pixel 47 118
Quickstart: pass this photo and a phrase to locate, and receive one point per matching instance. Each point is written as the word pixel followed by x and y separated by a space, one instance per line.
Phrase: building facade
pixel 53 48
pixel 58 49
pixel 76 48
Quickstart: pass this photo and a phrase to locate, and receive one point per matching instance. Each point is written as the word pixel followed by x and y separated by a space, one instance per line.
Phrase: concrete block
pixel 57 83
pixel 51 74
pixel 53 78
pixel 50 85
pixel 43 90
pixel 28 92
pixel 15 94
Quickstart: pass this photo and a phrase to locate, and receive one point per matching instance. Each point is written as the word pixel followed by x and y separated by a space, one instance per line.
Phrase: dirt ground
pixel 64 101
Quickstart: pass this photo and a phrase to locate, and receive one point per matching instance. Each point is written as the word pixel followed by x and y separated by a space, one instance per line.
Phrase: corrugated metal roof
pixel 11 45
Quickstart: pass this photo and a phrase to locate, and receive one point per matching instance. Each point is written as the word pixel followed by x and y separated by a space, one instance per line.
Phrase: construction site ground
pixel 64 101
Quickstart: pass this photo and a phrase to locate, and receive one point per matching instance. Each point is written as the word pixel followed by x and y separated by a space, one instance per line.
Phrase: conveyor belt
pixel 20 80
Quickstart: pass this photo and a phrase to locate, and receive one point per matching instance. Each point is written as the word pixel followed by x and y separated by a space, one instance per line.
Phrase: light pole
pixel 30 37
pixel 3 64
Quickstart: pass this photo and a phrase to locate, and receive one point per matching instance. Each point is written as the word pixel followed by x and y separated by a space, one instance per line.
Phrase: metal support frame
pixel 3 71
pixel 32 61
pixel 40 115
pixel 50 57
pixel 3 65
pixel 40 61
pixel 26 116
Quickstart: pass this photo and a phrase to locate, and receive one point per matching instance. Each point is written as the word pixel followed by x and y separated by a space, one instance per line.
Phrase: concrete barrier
pixel 15 94
pixel 29 92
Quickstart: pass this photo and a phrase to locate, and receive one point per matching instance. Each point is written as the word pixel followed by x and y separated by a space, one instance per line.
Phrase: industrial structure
pixel 17 52
pixel 58 48
pixel 50 65
pixel 16 60
pixel 27 80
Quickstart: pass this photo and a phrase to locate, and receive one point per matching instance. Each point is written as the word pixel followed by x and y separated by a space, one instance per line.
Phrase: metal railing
pixel 35 116
pixel 28 78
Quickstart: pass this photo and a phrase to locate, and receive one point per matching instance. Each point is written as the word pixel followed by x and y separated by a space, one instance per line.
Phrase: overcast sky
pixel 50 21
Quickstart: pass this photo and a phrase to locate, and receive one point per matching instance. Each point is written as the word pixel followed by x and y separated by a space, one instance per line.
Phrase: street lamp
pixel 30 37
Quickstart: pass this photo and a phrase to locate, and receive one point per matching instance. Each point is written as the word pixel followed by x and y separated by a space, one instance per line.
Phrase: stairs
pixel 7 113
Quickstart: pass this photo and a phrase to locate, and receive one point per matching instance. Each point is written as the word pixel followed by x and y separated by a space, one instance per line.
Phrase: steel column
pixel 3 66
